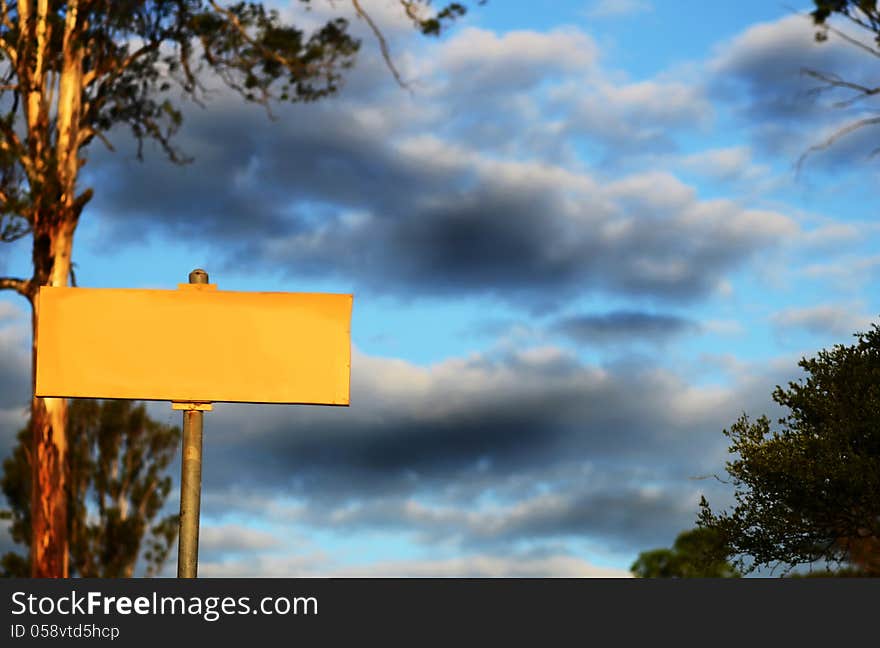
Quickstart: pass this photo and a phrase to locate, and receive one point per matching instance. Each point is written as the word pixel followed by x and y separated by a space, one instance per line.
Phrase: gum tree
pixel 117 484
pixel 70 72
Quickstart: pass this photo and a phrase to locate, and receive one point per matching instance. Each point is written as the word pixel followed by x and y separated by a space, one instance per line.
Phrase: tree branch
pixel 21 286
pixel 87 133
pixel 383 44
pixel 10 51
pixel 846 130
pixel 10 143
pixel 92 74
pixel 849 39
pixel 236 23
pixel 833 81
pixel 4 15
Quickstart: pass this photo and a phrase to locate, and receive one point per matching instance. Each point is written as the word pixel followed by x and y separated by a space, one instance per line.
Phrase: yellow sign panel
pixel 196 344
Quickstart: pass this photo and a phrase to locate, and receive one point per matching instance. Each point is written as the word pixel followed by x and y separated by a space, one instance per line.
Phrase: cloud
pixel 9 313
pixel 6 543
pixel 847 274
pixel 15 371
pixel 622 326
pixel 485 452
pixel 824 319
pixel 514 61
pixel 629 120
pixel 468 566
pixel 732 164
pixel 768 58
pixel 504 414
pixel 616 8
pixel 723 327
pixel 407 203
pixel 328 203
pixel 231 538
pixel 761 74
pixel 620 515
pixel 667 103
pixel 261 565
pixel 485 566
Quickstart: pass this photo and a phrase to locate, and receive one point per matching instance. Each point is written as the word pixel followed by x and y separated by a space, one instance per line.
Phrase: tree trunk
pixel 49 550
pixel 49 542
pixel 55 215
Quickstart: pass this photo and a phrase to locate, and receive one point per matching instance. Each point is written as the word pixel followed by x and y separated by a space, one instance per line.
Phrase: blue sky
pixel 579 250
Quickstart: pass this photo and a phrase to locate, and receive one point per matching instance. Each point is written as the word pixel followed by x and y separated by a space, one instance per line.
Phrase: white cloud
pixel 616 8
pixel 469 566
pixel 10 313
pixel 235 538
pixel 761 74
pixel 727 164
pixel 832 234
pixel 849 269
pixel 266 565
pixel 769 49
pixel 638 117
pixel 824 319
pixel 723 327
pixel 485 566
pixel 517 57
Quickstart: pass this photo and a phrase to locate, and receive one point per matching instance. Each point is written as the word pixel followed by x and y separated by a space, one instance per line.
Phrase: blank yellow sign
pixel 194 344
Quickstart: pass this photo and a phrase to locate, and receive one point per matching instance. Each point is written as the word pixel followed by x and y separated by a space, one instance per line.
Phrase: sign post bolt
pixel 190 479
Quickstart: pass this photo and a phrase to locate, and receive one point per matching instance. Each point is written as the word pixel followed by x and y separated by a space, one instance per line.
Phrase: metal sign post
pixel 190 495
pixel 190 476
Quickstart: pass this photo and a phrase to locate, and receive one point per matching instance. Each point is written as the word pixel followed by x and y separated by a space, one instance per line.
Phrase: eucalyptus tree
pixel 117 485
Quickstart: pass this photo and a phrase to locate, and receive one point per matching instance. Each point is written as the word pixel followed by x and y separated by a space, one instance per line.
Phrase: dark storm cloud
pixel 324 197
pixel 565 449
pixel 621 513
pixel 15 372
pixel 623 326
pixel 6 543
pixel 498 417
pixel 629 518
pixel 15 383
pixel 248 177
pixel 354 188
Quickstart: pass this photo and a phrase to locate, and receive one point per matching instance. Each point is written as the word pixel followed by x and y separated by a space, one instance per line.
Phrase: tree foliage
pixel 863 13
pixel 72 72
pixel 117 486
pixel 807 491
pixel 697 553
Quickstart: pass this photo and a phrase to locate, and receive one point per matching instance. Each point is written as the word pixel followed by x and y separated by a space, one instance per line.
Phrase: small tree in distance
pixel 117 486
pixel 808 492
pixel 697 553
